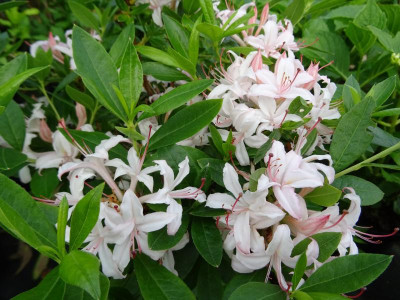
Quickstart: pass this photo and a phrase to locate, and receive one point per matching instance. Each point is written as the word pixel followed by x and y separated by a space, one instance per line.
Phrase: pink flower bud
pixel 263 19
pixel 313 71
pixel 45 132
pixel 81 114
pixel 257 62
pixel 252 21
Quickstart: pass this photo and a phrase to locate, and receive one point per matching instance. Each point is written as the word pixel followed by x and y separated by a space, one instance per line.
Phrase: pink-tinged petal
pixel 154 221
pixel 167 172
pixel 81 114
pixel 77 181
pixel 176 209
pixel 220 200
pixel 291 202
pixel 231 180
pixel 256 42
pixel 101 151
pixel 108 265
pixel 189 192
pixel 308 226
pixel 296 92
pixel 161 196
pixel 45 132
pixel 183 172
pixel 268 215
pixel 241 231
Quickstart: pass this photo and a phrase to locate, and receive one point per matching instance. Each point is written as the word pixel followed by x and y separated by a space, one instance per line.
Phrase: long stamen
pixel 74 142
pixel 233 207
pixel 244 174
pixel 87 184
pixel 345 212
pixel 377 235
pixel 147 147
pixel 313 127
pixel 284 117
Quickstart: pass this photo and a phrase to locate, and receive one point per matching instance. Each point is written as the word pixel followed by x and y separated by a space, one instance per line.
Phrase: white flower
pixel 168 260
pixel 168 195
pixel 289 171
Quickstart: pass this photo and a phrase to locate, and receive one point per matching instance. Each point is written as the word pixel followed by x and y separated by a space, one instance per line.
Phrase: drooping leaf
pixel 185 123
pixel 85 216
pixel 156 282
pixel 81 269
pixel 207 240
pixel 346 274
pixel 326 195
pixel 345 147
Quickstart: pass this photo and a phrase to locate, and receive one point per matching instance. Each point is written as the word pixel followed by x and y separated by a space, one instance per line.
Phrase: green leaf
pixel 324 6
pixel 51 287
pixel 326 195
pixel 118 48
pixel 156 282
pixel 176 35
pixel 351 92
pixel 391 44
pixel 43 184
pixel 327 243
pixel 82 98
pixel 10 87
pixel 209 283
pixel 177 97
pixel 214 167
pixel 299 107
pixel 84 15
pixel 97 70
pixel 254 177
pixel 11 4
pixel 12 126
pixel 162 72
pixel 161 240
pixel 194 43
pixel 183 62
pixel 382 137
pixel 208 11
pixel 216 138
pixel 368 192
pixel 392 12
pixel 381 92
pixel 371 15
pixel 61 225
pixel 324 296
pixel 81 269
pixel 185 123
pixel 258 291
pixel 11 159
pixel 295 11
pixel 214 32
pixel 204 211
pixel 387 113
pixel 207 239
pixel 361 38
pixel 241 279
pixel 131 77
pixel 345 147
pixel 85 216
pixel 346 274
pixel 21 215
pixel 190 6
pixel 299 270
pixel 158 55
pixel 311 137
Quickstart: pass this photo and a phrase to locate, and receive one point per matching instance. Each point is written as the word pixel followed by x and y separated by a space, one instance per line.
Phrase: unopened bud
pixel 81 114
pixel 45 132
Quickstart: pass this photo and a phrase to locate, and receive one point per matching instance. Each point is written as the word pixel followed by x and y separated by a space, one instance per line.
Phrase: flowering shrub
pixel 174 149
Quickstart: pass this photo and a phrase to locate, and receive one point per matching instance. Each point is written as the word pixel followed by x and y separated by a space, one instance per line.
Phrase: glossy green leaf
pixel 84 15
pixel 254 177
pixel 216 138
pixel 212 31
pixel 214 168
pixel 162 72
pixel 295 11
pixel 345 147
pixel 161 240
pixel 387 113
pixel 258 291
pixel 131 77
pixel 299 270
pixel 324 296
pixel 351 93
pixel 85 216
pixel 183 62
pixel 241 279
pixel 11 4
pixel 156 282
pixel 82 98
pixel 194 43
pixel 9 88
pixel 177 35
pixel 327 242
pixel 392 21
pixel 299 107
pixel 361 38
pixel 381 92
pixel 12 126
pixel 311 137
pixel 22 216
pixel 204 211
pixel 158 55
pixel 326 195
pixel 118 48
pixel 368 192
pixel 185 123
pixel 44 183
pixel 207 239
pixel 382 137
pixel 208 11
pixel 97 70
pixel 177 97
pixel 371 15
pixel 346 274
pixel 81 269
pixel 61 225
pixel 209 283
pixel 324 6
pixel 391 43
pixel 190 6
pixel 260 154
pixel 11 159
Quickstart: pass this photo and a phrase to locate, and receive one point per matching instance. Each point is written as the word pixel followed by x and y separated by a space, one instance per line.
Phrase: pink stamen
pixel 263 19
pixel 147 147
pixel 74 142
pixel 313 127
pixel 244 174
pixel 345 212
pixel 284 117
pixel 233 207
